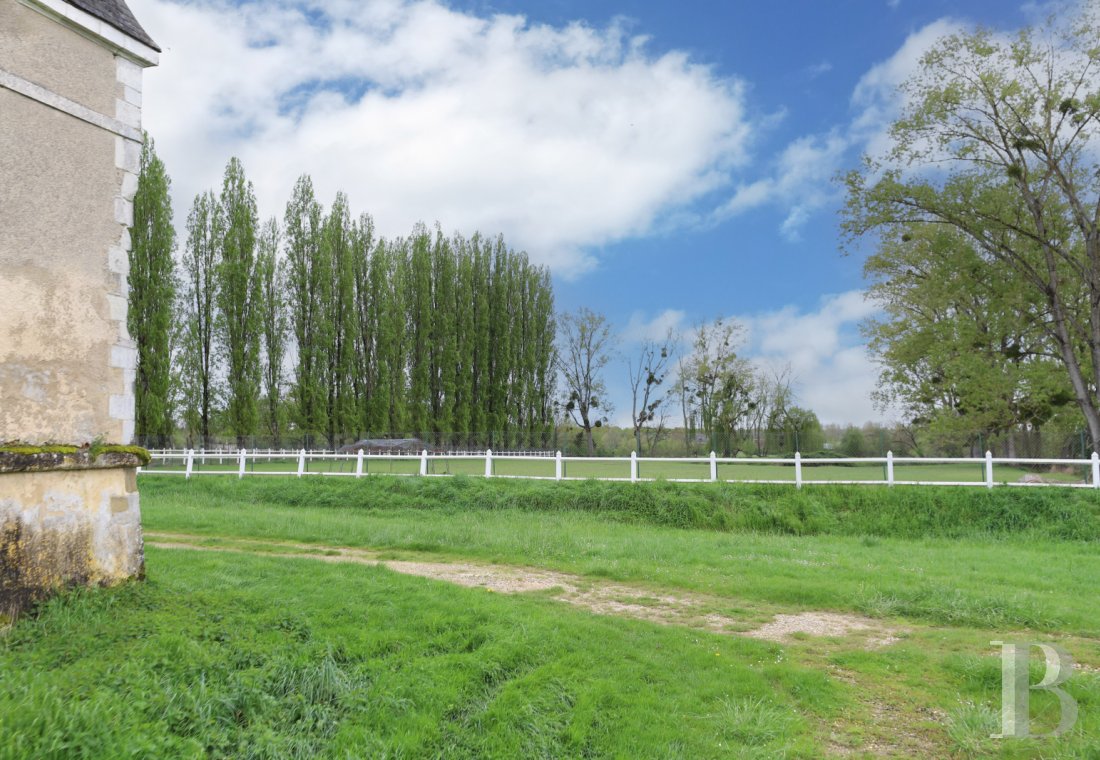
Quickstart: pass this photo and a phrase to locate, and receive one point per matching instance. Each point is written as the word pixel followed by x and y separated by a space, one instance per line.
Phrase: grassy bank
pixel 899 512
pixel 260 650
pixel 249 657
pixel 1009 573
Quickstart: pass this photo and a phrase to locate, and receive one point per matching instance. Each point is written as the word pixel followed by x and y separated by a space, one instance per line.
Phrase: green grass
pixel 747 469
pixel 236 654
pixel 991 559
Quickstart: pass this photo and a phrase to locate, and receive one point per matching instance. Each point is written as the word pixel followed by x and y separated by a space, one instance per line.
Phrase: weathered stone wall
pixel 69 151
pixel 66 527
pixel 70 144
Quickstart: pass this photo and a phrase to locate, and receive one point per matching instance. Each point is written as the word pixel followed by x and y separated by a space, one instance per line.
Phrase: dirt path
pixel 682 608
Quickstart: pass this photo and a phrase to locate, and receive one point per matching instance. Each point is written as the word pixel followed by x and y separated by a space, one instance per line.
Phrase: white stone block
pixel 124 211
pixel 129 189
pixel 128 114
pixel 122 407
pixel 128 73
pixel 124 357
pixel 131 95
pixel 118 261
pixel 127 437
pixel 127 155
pixel 117 307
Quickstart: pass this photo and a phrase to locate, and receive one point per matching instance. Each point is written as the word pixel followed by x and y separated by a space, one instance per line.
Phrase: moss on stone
pixel 93 451
pixel 111 448
pixel 49 448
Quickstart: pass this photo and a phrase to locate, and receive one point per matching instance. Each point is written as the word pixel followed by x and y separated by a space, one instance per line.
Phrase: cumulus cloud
pixel 561 138
pixel 800 181
pixel 800 178
pixel 640 329
pixel 877 101
pixel 834 372
pixel 822 347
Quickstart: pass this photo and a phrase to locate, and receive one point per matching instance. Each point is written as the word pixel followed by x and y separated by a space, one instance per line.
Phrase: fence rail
pixel 987 471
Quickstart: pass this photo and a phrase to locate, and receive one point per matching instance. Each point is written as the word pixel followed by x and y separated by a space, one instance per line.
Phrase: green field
pixel 259 633
pixel 746 470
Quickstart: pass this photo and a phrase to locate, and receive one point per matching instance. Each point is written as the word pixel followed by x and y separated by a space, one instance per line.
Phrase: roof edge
pixel 97 30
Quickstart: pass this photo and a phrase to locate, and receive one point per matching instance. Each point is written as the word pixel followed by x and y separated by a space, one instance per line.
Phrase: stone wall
pixel 66 527
pixel 70 145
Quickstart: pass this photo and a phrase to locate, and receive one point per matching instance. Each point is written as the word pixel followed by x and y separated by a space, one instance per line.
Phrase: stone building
pixel 70 144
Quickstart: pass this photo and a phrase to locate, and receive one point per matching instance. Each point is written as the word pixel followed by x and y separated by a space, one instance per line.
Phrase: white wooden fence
pixel 189 463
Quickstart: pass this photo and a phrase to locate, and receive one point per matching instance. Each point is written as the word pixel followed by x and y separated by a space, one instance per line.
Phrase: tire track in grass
pixel 691 610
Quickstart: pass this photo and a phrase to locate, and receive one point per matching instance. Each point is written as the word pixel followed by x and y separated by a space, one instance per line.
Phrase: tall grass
pixel 899 512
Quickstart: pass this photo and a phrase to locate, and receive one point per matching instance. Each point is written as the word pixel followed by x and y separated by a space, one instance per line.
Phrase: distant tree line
pixel 320 330
pixel 728 403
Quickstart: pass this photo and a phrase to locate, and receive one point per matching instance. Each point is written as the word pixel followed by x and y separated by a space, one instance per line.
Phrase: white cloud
pixel 833 371
pixel 800 181
pixel 801 177
pixel 877 98
pixel 639 329
pixel 561 138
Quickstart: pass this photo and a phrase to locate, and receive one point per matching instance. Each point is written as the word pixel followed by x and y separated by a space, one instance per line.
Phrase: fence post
pixel 798 469
pixel 190 463
pixel 301 462
pixel 488 463
pixel 713 467
pixel 240 469
pixel 634 467
pixel 424 462
pixel 359 464
pixel 1095 470
pixel 889 468
pixel 988 469
pixel 558 466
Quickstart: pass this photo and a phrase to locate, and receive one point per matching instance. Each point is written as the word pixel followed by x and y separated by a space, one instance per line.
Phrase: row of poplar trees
pixel 318 331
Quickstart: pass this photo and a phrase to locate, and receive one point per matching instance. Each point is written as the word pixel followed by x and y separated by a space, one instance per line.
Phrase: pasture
pixel 406 617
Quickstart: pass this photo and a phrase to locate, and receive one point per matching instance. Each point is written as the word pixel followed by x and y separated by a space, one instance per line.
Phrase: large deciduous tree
pixel 718 387
pixel 961 344
pixel 999 141
pixel 586 349
pixel 151 294
pixel 648 371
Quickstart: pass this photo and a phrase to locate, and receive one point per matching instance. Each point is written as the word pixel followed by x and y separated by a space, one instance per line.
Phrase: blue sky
pixel 671 162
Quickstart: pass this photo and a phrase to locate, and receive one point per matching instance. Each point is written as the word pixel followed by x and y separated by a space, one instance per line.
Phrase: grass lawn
pixel 241 653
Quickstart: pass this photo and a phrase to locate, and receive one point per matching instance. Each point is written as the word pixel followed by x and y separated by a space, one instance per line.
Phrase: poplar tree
pixel 271 273
pixel 364 381
pixel 308 276
pixel 337 243
pixel 238 296
pixel 152 292
pixel 444 337
pixel 418 283
pixel 198 315
pixel 463 307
